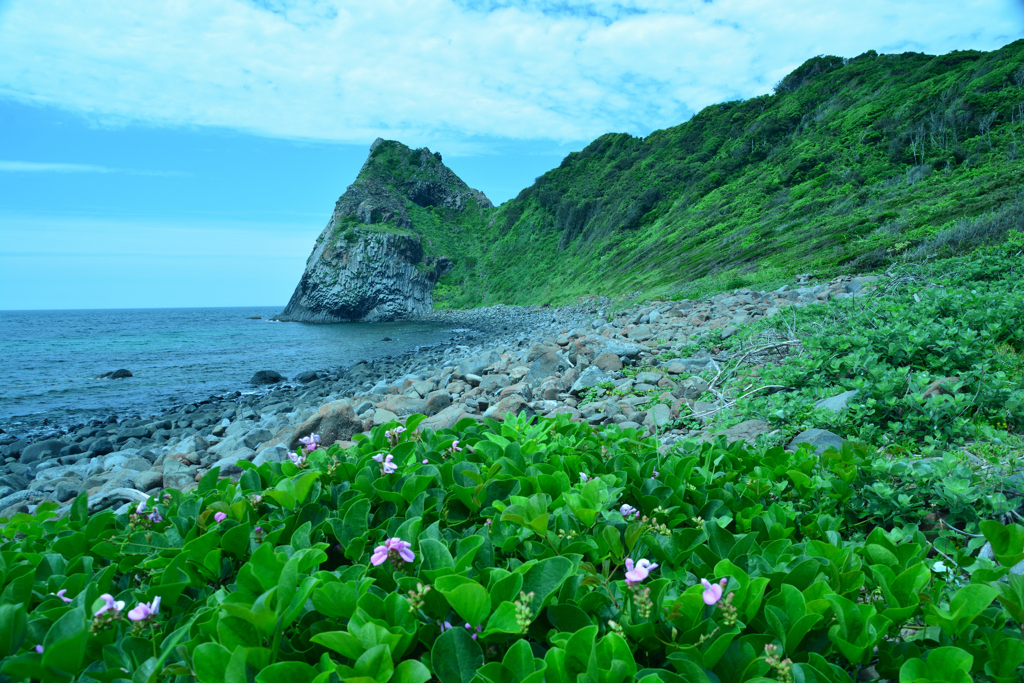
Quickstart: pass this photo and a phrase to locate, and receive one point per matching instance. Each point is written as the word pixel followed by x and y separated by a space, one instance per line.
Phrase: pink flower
pixel 386 464
pixel 713 591
pixel 60 594
pixel 311 442
pixel 425 461
pixel 584 478
pixel 39 649
pixel 394 548
pixel 635 573
pixel 145 610
pixel 155 517
pixel 299 460
pixel 140 508
pixel 654 475
pixel 219 516
pixel 628 511
pixel 455 447
pixel 258 530
pixel 393 434
pixel 111 604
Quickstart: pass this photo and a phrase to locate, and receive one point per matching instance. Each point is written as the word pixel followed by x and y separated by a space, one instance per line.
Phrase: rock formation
pixel 369 263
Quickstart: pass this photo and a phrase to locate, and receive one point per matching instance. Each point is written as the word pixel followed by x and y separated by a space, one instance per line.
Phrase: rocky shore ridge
pixel 537 360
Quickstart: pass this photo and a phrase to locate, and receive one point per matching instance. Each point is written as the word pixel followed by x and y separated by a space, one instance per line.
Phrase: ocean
pixel 50 360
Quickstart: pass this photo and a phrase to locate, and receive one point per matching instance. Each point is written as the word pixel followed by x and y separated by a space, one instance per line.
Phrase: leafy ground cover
pixel 523 551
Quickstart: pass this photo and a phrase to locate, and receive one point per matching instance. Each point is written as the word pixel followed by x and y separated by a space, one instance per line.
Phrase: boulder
pixel 115 497
pixel 437 401
pixel 512 405
pixel 681 366
pixel 640 333
pixel 476 364
pixel 116 374
pixel 608 362
pixel 266 377
pixel 334 421
pixel 41 449
pixel 276 453
pixel 149 480
pixel 746 431
pixel 837 402
pixel 946 385
pixel 447 418
pixel 256 437
pixel 382 416
pixel 101 446
pixel 307 377
pixel 658 416
pixel 591 377
pixel 819 439
pixel 404 405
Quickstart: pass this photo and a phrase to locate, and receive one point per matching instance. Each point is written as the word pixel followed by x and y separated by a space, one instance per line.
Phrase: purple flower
pixel 584 478
pixel 39 649
pixel 635 573
pixel 654 474
pixel 393 434
pixel 155 517
pixel 140 508
pixel 470 629
pixel 425 461
pixel 386 464
pixel 258 530
pixel 628 511
pixel 311 442
pixel 219 516
pixel 298 459
pixel 445 626
pixel 60 594
pixel 145 610
pixel 111 604
pixel 394 548
pixel 455 447
pixel 713 591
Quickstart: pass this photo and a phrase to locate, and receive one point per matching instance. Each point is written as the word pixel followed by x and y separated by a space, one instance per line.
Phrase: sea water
pixel 50 360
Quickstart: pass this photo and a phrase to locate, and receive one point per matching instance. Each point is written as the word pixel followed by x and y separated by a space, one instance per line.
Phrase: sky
pixel 187 153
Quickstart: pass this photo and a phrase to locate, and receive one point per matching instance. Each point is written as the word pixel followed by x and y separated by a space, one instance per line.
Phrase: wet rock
pixel 116 374
pixel 101 446
pixel 266 377
pixel 307 377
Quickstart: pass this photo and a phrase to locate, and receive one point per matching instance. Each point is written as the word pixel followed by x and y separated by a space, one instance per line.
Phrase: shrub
pixel 541 551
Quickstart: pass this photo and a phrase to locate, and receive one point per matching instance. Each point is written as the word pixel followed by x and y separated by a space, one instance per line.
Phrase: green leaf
pixel 544 578
pixel 455 656
pixel 211 661
pixel 376 664
pixel 466 597
pixel 1007 541
pixel 287 672
pixel 236 540
pixel 64 644
pixel 410 671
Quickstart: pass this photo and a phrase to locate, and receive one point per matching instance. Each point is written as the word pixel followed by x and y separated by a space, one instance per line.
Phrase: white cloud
pixel 427 71
pixel 10 166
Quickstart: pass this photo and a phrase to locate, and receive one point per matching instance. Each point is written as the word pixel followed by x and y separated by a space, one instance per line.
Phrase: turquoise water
pixel 50 359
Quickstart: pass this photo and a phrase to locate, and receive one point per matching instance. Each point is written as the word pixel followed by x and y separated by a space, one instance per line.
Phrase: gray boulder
pixel 836 403
pixel 41 449
pixel 101 446
pixel 266 377
pixel 334 421
pixel 256 437
pixel 276 453
pixel 591 377
pixel 819 439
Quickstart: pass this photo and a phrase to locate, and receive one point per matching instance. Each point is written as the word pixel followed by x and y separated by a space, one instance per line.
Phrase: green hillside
pixel 850 164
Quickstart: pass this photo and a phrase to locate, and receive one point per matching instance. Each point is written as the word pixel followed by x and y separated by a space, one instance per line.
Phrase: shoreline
pixel 544 361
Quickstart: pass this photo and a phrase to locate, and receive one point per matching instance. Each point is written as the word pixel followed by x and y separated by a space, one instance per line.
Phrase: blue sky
pixel 188 153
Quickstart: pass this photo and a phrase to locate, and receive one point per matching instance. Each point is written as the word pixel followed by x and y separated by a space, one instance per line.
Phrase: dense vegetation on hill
pixel 849 164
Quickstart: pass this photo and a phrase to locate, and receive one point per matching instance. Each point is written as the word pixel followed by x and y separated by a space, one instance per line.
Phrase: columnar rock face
pixel 369 263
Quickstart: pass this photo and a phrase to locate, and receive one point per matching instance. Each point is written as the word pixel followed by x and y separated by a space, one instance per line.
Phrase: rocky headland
pixel 535 360
pixel 369 263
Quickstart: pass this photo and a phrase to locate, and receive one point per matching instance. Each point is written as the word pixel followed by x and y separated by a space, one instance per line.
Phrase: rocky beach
pixel 636 367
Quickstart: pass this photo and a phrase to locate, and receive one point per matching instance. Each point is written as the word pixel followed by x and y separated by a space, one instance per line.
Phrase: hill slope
pixel 849 164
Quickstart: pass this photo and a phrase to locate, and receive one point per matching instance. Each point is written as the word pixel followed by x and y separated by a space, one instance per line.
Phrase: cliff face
pixel 369 264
